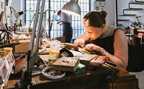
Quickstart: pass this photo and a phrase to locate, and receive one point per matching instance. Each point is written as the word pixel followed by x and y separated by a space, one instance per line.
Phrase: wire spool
pixel 48 73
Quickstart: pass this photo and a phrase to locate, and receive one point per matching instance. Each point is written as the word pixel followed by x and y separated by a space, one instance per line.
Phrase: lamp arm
pixel 12 9
pixel 138 20
pixel 140 16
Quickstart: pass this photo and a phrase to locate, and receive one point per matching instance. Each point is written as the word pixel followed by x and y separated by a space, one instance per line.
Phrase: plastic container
pixel 54 50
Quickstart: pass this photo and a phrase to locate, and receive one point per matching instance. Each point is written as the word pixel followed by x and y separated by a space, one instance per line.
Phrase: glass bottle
pixel 20 25
pixel 15 26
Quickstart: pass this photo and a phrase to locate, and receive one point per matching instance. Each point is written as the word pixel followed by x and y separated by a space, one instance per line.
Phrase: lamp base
pixel 25 81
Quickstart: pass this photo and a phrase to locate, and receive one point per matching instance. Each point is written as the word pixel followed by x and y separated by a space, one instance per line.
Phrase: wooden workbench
pixel 98 78
pixel 90 79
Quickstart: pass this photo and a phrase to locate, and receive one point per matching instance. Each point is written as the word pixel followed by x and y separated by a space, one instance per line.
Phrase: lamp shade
pixel 18 14
pixel 72 8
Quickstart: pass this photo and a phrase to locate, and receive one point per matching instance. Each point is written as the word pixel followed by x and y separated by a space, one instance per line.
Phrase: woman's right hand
pixel 80 42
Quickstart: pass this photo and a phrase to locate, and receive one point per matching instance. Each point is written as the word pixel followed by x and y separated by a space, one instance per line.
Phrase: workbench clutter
pixel 69 60
pixel 90 60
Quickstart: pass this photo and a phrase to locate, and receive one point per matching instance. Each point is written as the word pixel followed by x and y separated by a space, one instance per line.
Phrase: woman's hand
pixel 92 47
pixel 80 42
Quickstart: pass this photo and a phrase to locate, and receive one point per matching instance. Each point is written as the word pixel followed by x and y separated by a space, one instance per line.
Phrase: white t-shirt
pixel 66 18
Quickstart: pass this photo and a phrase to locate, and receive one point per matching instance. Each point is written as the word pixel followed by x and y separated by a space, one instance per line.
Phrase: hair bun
pixel 104 13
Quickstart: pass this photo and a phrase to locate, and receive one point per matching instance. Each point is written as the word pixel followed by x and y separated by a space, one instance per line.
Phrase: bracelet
pixel 104 53
pixel 100 50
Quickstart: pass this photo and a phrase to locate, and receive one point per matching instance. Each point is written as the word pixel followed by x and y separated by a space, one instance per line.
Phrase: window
pixel 56 5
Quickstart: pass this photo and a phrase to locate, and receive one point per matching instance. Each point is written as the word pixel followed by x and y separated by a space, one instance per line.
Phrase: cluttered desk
pixel 81 76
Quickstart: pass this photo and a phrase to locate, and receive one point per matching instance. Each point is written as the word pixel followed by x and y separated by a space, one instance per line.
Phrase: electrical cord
pixel 6 33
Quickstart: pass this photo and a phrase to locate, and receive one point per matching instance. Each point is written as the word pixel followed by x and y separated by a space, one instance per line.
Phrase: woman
pixel 108 40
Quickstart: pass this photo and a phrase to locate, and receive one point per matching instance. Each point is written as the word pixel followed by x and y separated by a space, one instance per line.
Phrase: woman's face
pixel 92 32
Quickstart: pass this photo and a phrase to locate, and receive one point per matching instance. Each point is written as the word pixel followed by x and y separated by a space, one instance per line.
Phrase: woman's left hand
pixel 93 47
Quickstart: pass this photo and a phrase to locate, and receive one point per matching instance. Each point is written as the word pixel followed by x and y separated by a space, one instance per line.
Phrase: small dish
pixel 49 73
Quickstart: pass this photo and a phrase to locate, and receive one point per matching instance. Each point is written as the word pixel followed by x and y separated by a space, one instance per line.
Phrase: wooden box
pixel 22 47
pixel 66 64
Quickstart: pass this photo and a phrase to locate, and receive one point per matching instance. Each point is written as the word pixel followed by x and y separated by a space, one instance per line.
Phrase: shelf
pixel 137 2
pixel 123 19
pixel 128 15
pixel 120 25
pixel 134 9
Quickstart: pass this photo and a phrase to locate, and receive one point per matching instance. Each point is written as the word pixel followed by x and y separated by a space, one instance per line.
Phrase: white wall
pixel 123 4
pixel 109 8
pixel 17 5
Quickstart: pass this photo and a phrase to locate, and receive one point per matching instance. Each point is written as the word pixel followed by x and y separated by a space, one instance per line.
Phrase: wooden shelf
pixel 128 15
pixel 123 19
pixel 134 9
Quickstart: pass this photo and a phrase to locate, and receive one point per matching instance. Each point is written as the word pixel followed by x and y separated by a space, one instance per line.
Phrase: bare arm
pixel 81 40
pixel 120 57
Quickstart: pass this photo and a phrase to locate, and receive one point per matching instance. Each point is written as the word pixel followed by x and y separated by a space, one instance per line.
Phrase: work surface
pixel 98 78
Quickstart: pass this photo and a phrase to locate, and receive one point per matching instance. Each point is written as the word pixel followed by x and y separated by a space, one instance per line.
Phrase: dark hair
pixel 95 18
pixel 59 12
